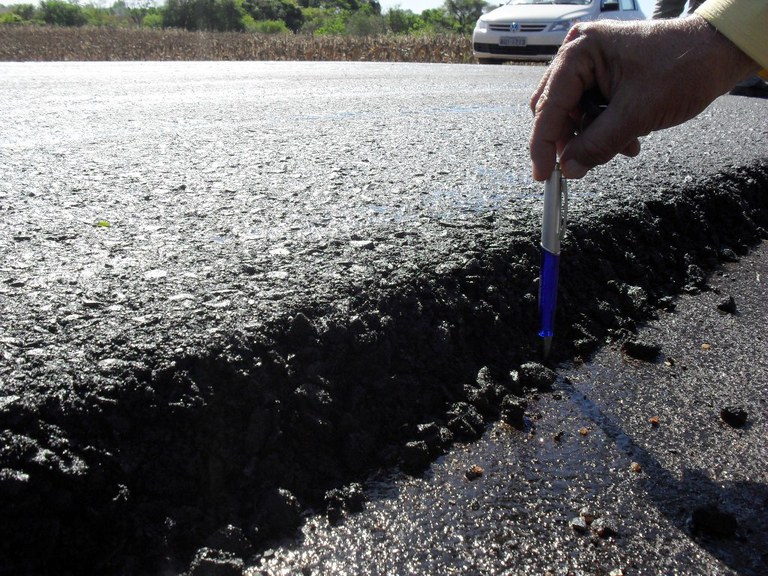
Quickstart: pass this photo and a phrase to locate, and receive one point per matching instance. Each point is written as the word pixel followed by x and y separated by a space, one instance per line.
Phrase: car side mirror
pixel 609 6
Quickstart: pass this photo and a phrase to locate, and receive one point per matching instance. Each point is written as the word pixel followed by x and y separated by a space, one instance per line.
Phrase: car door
pixel 620 10
pixel 630 10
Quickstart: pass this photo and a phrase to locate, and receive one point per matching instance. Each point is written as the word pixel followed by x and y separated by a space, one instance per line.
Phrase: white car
pixel 535 29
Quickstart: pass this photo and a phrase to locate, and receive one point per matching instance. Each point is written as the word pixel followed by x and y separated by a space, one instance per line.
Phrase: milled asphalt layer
pixel 232 290
pixel 641 445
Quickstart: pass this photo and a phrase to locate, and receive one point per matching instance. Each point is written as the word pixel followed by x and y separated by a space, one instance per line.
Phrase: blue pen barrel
pixel 550 269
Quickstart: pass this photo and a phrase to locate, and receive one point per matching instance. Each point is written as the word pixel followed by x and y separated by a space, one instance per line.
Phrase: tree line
pixel 316 17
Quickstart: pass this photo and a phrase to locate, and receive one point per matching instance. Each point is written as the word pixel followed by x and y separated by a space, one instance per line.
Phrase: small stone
pixel 111 365
pixel 334 514
pixel 588 514
pixel 280 511
pixel 415 457
pixel 583 430
pixel 667 303
pixel 436 437
pixel 604 528
pixel 727 305
pixel 230 539
pixel 155 274
pixel 354 497
pixel 578 525
pixel 181 296
pixel 654 420
pixel 696 278
pixel 728 255
pixel 464 421
pixel 209 562
pixel 706 347
pixel 351 498
pixel 473 266
pixel 301 330
pixel 733 416
pixel 474 472
pixel 535 375
pixel 641 350
pixel 513 411
pixel 636 467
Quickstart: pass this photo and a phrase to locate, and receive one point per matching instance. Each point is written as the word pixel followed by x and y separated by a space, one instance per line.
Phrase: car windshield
pixel 580 2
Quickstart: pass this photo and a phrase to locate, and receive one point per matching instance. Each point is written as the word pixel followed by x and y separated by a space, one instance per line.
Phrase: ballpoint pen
pixel 553 226
pixel 552 231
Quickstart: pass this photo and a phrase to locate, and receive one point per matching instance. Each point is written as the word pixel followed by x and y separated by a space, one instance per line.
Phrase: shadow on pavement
pixel 727 519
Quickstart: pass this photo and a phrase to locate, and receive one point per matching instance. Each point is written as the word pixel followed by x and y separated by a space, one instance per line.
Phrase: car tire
pixel 489 61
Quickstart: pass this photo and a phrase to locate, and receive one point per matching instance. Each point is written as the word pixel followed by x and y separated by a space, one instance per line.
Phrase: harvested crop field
pixel 27 43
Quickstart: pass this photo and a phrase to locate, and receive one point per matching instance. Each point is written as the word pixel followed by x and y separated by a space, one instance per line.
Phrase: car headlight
pixel 564 25
pixel 481 26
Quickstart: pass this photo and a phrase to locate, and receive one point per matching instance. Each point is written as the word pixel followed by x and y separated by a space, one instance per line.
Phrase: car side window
pixel 627 5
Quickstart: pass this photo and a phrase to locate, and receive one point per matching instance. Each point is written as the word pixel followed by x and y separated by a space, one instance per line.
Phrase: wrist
pixel 732 63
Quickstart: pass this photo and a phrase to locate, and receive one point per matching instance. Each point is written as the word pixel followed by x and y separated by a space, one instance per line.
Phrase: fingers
pixel 581 144
pixel 555 104
pixel 632 149
pixel 554 113
pixel 549 138
pixel 582 138
pixel 613 132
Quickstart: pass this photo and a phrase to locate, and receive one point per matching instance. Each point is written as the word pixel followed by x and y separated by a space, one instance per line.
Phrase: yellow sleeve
pixel 743 22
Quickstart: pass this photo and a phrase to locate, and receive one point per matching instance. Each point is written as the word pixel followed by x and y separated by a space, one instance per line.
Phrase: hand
pixel 654 75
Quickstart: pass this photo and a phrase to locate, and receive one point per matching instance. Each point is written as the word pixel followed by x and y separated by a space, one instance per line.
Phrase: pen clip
pixel 592 103
pixel 564 206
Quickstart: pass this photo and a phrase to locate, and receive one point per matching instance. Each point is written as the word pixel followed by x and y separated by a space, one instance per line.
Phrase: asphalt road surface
pixel 237 299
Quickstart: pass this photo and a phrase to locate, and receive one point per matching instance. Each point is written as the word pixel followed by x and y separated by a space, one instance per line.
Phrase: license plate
pixel 512 41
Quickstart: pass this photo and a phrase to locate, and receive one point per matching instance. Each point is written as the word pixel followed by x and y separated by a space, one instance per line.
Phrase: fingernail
pixel 572 169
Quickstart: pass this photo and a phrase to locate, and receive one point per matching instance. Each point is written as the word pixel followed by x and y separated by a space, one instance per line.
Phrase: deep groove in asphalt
pixel 250 432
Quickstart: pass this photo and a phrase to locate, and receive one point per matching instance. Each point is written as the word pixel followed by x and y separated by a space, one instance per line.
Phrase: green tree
pixel 96 16
pixel 438 21
pixel 153 19
pixel 62 13
pixel 284 10
pixel 324 21
pixel 269 27
pixel 465 12
pixel 221 15
pixel 365 23
pixel 136 10
pixel 10 18
pixel 24 11
pixel 402 21
pixel 342 5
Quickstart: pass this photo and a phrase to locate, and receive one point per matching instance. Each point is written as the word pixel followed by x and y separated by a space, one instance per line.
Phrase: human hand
pixel 654 75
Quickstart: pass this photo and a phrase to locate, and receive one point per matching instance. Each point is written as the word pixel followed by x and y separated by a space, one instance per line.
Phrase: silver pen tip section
pixel 547 341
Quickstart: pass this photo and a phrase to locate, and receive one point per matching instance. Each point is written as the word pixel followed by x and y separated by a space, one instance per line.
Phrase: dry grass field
pixel 32 43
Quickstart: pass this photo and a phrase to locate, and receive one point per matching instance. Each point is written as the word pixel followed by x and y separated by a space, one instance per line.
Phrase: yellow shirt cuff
pixel 743 22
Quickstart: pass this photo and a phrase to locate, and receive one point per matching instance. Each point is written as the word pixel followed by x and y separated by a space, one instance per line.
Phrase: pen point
pixel 547 346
